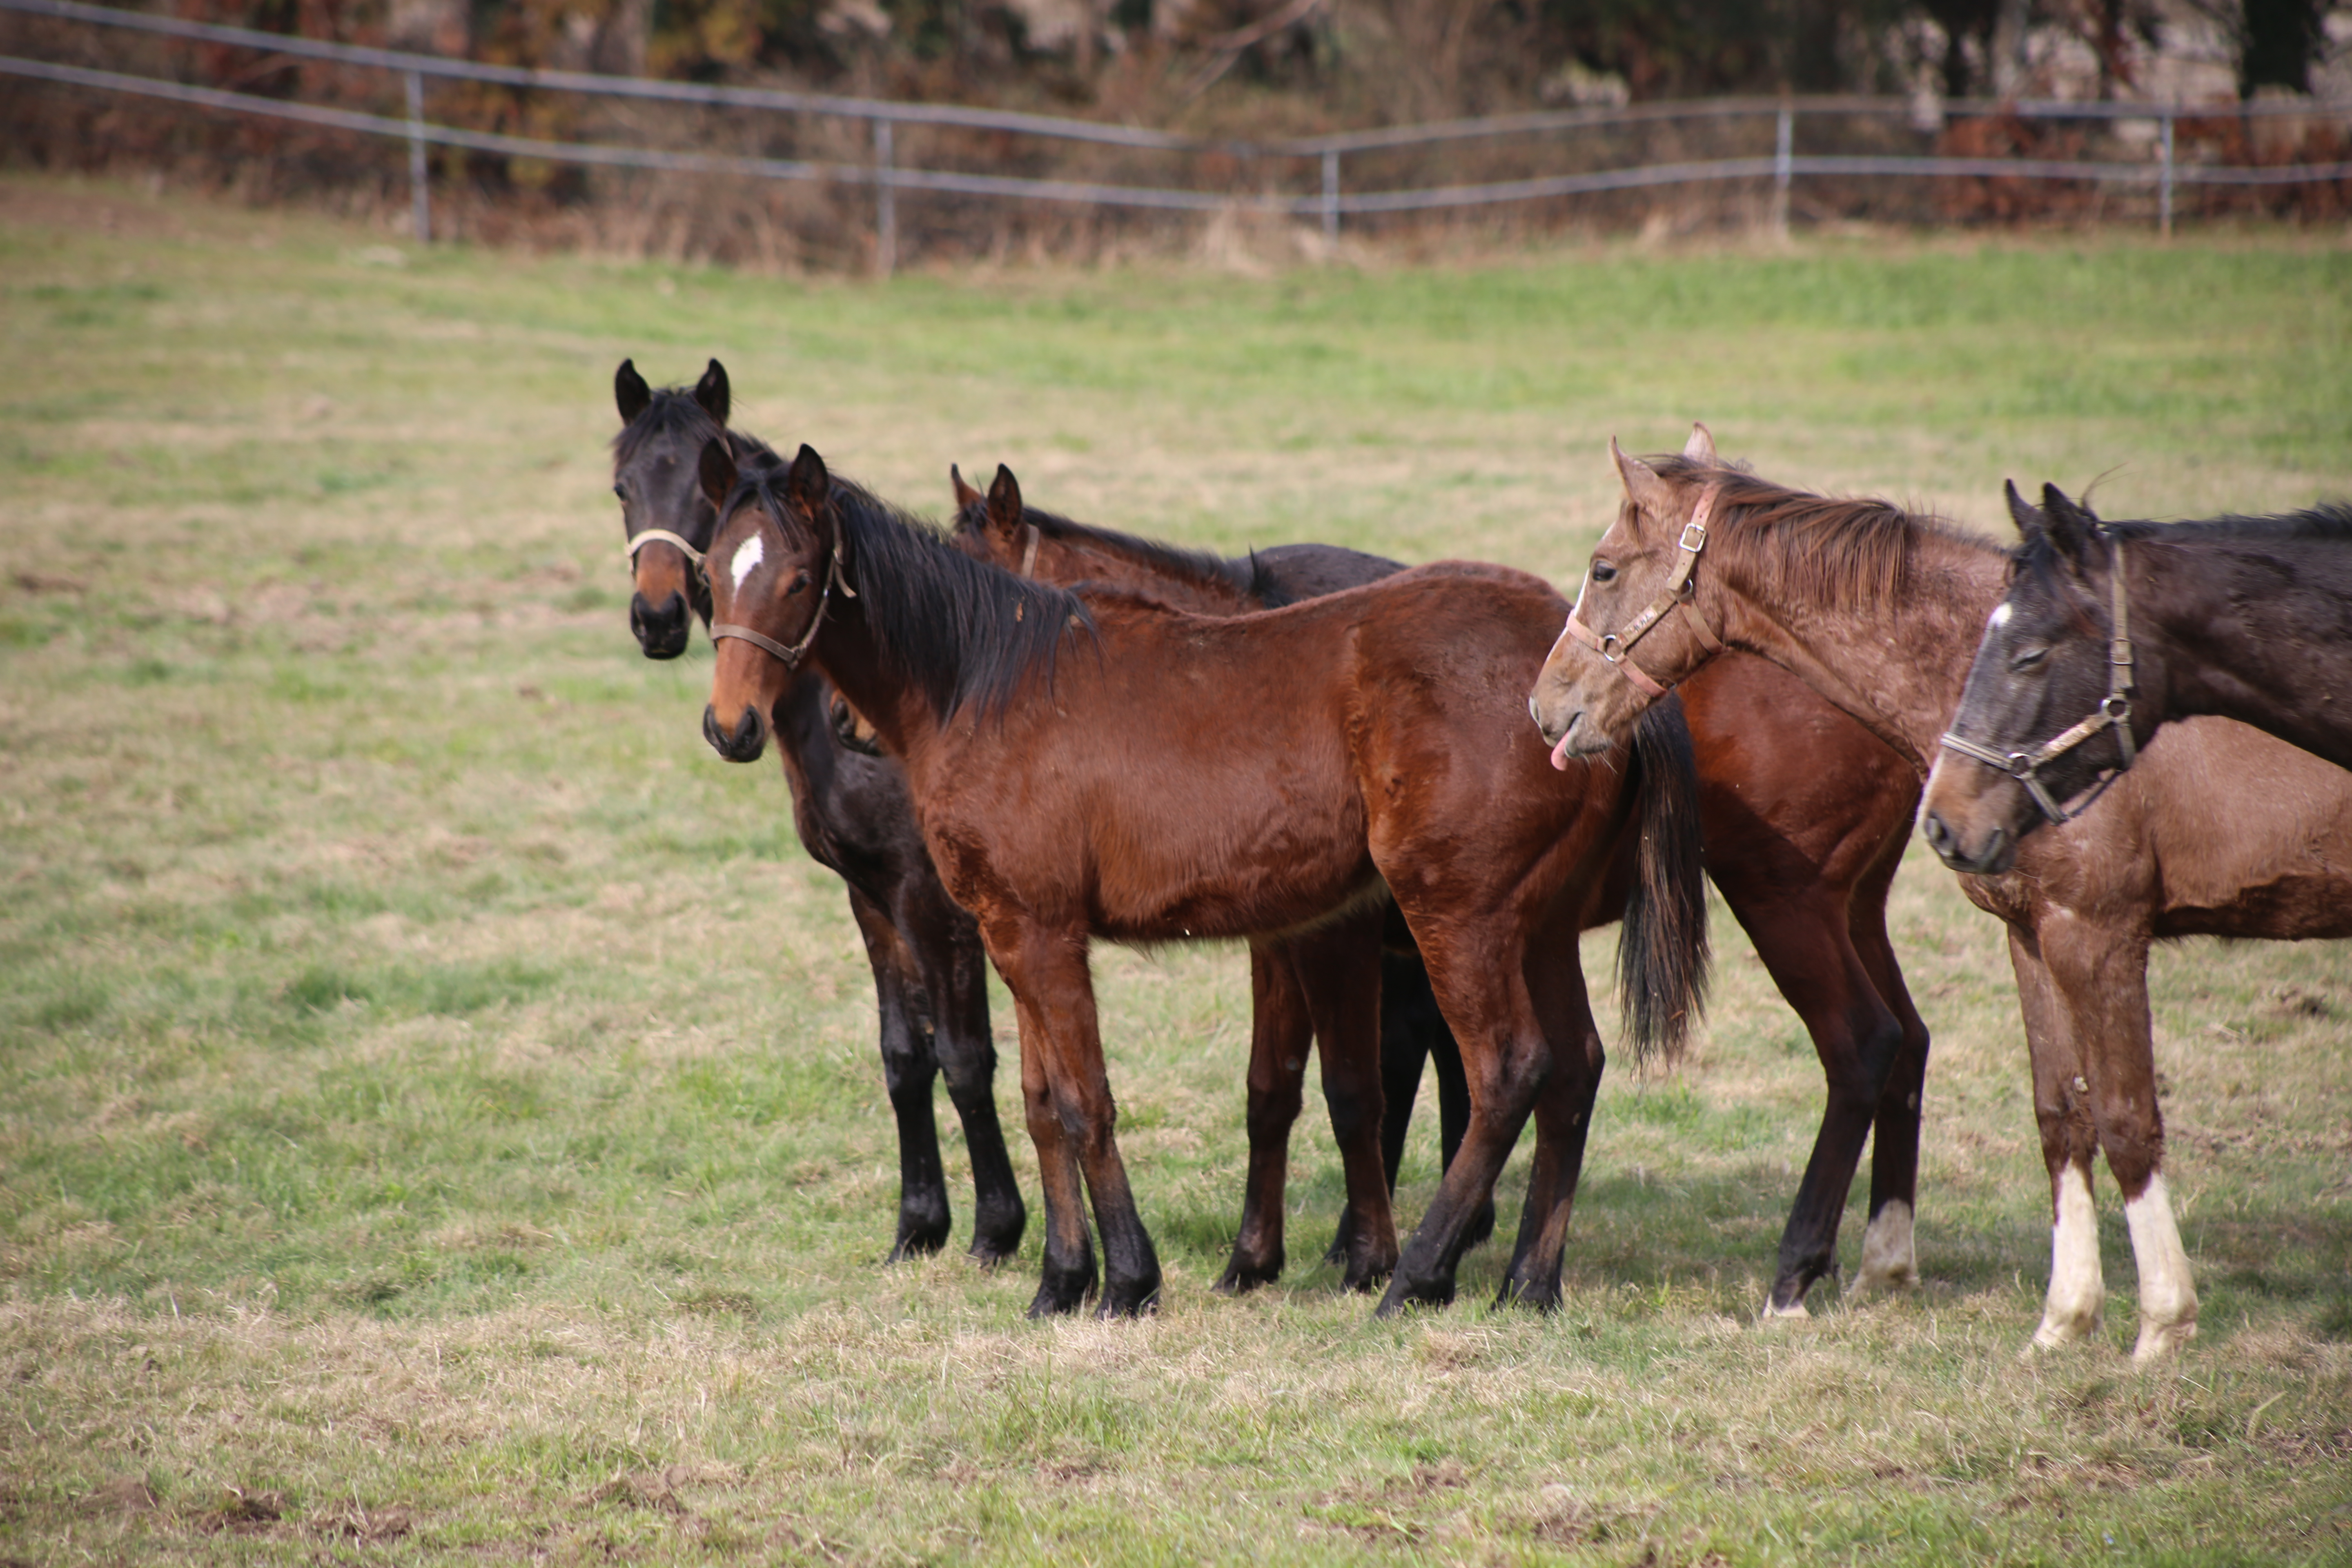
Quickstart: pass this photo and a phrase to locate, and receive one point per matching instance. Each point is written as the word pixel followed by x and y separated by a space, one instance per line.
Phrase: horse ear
pixel 630 390
pixel 2023 513
pixel 965 495
pixel 2071 529
pixel 1642 486
pixel 808 486
pixel 1700 447
pixel 711 392
pixel 716 470
pixel 1004 510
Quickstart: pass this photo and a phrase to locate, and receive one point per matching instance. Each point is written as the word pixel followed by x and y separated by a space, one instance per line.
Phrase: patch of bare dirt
pixel 243 1512
pixel 122 1495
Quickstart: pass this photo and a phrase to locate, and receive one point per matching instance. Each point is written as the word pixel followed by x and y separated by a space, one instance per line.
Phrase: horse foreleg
pixel 954 968
pixel 2078 1291
pixel 1045 968
pixel 1338 966
pixel 907 1068
pixel 1068 1277
pixel 1280 1033
pixel 2101 973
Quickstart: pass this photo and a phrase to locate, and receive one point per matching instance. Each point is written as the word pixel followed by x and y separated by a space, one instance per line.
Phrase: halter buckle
pixel 1692 527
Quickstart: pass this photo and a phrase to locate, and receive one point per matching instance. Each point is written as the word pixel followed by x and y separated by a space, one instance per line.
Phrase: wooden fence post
pixel 885 201
pixel 420 201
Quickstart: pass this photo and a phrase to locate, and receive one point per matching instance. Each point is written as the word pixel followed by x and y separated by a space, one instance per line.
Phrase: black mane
pixel 672 412
pixel 2328 521
pixel 1244 576
pixel 965 632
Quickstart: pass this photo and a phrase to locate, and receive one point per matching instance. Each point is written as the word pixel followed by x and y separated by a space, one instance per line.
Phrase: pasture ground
pixel 438 1111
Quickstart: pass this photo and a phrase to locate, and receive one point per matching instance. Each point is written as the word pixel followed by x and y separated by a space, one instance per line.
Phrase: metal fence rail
pixel 1266 159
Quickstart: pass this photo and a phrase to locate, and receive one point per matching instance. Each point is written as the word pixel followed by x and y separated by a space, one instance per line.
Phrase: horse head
pixel 663 510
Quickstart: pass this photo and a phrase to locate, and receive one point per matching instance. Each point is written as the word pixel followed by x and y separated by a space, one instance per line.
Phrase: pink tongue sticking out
pixel 1560 754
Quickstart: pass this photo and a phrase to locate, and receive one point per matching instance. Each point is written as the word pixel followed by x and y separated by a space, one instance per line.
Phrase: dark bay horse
pixel 1106 766
pixel 2111 630
pixel 1803 832
pixel 930 977
pixel 2220 830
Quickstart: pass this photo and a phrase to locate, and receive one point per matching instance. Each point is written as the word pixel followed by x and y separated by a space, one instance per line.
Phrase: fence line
pixel 1329 203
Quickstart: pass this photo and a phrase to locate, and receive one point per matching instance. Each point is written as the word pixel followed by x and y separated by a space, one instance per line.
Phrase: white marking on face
pixel 2078 1292
pixel 1999 617
pixel 747 560
pixel 2167 1292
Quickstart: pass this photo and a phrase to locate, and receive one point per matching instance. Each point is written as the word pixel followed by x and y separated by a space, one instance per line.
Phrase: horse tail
pixel 1662 948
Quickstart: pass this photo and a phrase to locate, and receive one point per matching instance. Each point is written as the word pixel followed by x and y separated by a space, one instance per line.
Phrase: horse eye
pixel 2029 658
pixel 1603 573
pixel 800 580
pixel 620 492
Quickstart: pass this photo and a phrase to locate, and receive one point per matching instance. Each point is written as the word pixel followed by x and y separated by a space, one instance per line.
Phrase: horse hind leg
pixel 1889 1249
pixel 1280 1033
pixel 1412 1031
pixel 1564 1116
pixel 1339 968
pixel 1507 1058
pixel 909 1067
pixel 1805 947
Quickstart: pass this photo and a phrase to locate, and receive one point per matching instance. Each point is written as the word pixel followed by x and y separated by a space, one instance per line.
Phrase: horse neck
pixel 2251 629
pixel 1896 667
pixel 845 653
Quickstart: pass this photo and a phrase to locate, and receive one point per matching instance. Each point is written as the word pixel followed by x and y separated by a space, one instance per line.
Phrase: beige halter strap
pixel 646 536
pixel 1617 646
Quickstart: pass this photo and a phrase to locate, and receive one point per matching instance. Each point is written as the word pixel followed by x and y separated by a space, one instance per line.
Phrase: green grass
pixel 438 1110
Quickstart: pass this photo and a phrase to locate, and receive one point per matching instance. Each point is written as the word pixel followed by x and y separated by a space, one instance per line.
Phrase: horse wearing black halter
pixel 2111 630
pixel 930 977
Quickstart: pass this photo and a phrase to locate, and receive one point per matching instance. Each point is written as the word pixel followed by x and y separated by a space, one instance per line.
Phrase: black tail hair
pixel 1662 948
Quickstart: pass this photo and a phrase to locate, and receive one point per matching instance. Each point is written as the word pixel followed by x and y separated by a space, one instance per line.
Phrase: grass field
pixel 438 1110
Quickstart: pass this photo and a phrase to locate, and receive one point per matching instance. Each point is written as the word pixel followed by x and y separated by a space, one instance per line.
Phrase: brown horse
pixel 1108 766
pixel 2220 831
pixel 2111 630
pixel 1803 833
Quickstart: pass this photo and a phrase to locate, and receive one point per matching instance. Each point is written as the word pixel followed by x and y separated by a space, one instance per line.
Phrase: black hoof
pixel 995 1237
pixel 917 1242
pixel 1365 1275
pixel 1137 1300
pixel 1432 1293
pixel 1243 1275
pixel 1542 1298
pixel 1059 1295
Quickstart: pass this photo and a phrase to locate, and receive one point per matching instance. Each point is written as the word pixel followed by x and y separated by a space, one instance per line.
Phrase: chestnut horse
pixel 2220 831
pixel 1108 766
pixel 1802 834
pixel 2111 630
pixel 930 977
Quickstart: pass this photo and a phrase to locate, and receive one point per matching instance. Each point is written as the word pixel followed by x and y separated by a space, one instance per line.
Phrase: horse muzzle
pixel 743 744
pixel 662 632
pixel 1994 855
